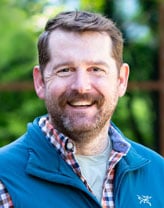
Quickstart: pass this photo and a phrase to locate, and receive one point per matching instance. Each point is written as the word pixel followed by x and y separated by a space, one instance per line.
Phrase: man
pixel 75 156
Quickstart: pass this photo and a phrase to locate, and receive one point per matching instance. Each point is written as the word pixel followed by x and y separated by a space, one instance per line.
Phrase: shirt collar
pixel 65 145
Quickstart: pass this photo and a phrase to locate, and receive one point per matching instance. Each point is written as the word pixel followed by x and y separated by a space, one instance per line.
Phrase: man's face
pixel 81 83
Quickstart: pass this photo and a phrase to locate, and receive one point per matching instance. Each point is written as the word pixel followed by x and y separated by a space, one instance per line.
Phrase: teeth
pixel 81 103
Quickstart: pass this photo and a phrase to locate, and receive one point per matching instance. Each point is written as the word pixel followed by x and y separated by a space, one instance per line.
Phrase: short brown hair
pixel 80 21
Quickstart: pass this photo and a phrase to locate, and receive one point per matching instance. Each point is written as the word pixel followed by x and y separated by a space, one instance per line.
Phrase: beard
pixel 78 125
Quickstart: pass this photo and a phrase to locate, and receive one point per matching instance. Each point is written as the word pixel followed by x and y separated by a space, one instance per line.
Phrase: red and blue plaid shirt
pixel 65 148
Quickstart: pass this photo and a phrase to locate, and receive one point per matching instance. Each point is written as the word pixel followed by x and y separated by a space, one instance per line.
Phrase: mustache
pixel 72 96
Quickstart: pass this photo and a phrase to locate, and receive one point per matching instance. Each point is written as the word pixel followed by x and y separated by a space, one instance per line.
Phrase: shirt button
pixel 69 146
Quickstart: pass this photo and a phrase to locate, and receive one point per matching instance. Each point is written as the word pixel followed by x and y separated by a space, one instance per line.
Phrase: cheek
pixel 107 86
pixel 110 92
pixel 55 87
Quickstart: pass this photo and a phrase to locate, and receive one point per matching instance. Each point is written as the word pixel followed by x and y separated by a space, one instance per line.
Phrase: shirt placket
pixel 107 194
pixel 70 159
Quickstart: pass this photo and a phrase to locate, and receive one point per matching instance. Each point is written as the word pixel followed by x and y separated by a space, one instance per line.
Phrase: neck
pixel 93 145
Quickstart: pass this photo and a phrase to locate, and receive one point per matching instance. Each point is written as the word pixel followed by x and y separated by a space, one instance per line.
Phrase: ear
pixel 123 79
pixel 38 82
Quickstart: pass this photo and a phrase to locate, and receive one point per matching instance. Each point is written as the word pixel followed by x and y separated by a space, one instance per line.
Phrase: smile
pixel 81 103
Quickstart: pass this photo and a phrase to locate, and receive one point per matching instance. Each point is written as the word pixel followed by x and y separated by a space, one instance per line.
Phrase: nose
pixel 81 82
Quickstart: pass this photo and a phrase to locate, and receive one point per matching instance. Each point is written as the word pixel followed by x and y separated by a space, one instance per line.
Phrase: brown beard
pixel 65 122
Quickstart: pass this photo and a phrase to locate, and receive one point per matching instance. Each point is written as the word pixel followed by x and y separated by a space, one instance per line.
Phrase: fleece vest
pixel 37 177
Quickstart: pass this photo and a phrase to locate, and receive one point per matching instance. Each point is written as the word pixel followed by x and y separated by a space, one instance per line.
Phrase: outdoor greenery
pixel 21 21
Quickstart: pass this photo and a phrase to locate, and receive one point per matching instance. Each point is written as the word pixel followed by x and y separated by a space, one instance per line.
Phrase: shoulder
pixel 19 144
pixel 154 158
pixel 140 151
pixel 12 151
pixel 144 150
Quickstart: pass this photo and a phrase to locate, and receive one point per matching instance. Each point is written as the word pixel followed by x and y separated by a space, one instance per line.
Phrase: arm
pixel 5 199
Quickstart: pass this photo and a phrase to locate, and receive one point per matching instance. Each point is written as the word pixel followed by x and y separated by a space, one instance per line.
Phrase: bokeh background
pixel 140 112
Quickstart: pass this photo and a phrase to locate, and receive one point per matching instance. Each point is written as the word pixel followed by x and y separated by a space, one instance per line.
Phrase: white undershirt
pixel 94 169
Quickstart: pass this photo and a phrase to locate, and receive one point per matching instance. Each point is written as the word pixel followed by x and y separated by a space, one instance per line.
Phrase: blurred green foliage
pixel 21 21
pixel 137 112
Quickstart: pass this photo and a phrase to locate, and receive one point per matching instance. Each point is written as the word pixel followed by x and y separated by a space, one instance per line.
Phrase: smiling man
pixel 81 85
pixel 75 156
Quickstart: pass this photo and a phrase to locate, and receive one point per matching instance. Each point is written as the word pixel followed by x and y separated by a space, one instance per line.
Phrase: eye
pixel 64 72
pixel 97 70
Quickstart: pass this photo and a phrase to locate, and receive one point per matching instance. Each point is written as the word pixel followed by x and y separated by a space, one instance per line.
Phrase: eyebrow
pixel 66 63
pixel 62 64
pixel 99 63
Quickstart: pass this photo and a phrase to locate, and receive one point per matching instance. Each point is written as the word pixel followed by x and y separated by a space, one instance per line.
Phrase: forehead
pixel 87 41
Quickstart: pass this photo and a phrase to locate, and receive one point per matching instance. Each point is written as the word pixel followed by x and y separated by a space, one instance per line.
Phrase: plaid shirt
pixel 66 149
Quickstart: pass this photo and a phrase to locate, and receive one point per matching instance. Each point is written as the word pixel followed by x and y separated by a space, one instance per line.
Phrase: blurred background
pixel 140 112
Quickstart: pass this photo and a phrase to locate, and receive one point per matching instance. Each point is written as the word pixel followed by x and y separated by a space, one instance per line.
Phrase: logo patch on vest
pixel 144 199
